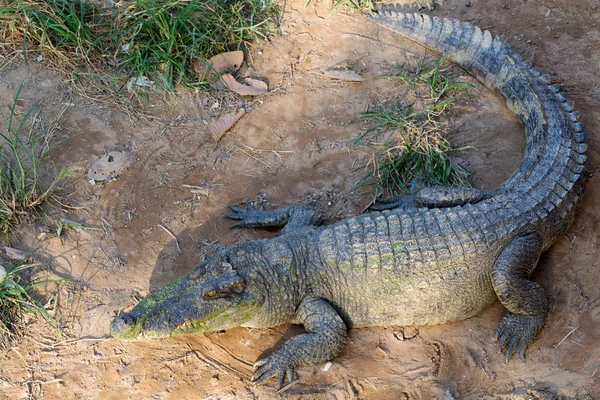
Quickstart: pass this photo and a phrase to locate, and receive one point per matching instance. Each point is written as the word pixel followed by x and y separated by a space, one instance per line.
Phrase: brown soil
pixel 294 146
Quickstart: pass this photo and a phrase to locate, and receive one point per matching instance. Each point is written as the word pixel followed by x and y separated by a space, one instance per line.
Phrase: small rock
pixel 468 4
pixel 406 333
pixel 15 254
pixel 42 236
pixel 548 13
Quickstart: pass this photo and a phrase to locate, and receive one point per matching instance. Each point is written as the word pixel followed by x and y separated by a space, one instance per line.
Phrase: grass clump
pixel 409 140
pixel 154 39
pixel 60 26
pixel 16 300
pixel 160 39
pixel 23 149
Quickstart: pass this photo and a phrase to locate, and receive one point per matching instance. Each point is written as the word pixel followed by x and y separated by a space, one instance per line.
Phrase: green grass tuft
pixel 160 39
pixel 16 300
pixel 410 150
pixel 23 149
pixel 157 39
pixel 52 24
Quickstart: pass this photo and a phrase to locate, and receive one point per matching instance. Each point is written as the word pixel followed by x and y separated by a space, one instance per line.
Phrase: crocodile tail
pixel 551 177
pixel 473 49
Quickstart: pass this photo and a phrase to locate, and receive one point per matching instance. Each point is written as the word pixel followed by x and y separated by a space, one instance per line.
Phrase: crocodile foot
pixel 401 202
pixel 291 217
pixel 280 364
pixel 248 217
pixel 515 332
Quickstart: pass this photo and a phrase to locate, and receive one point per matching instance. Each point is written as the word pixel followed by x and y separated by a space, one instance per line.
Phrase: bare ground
pixel 294 146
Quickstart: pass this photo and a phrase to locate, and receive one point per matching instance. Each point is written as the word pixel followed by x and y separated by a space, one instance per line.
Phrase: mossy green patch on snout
pixel 131 332
pixel 182 308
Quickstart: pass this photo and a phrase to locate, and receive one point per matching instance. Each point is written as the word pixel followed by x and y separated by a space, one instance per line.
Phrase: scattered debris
pixel 172 236
pixel 288 386
pixel 253 87
pixel 573 330
pixel 109 166
pixel 201 190
pixel 344 75
pixel 216 129
pixel 141 81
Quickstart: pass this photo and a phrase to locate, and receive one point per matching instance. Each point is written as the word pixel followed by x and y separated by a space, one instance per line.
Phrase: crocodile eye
pixel 212 293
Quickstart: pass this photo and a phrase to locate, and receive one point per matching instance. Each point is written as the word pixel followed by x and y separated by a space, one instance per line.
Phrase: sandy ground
pixel 294 146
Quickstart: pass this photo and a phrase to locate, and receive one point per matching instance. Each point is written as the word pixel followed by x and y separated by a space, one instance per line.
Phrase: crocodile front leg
pixel 433 197
pixel 325 339
pixel 290 217
pixel 525 300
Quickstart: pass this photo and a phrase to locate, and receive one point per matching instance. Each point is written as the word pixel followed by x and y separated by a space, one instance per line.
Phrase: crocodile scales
pixel 441 255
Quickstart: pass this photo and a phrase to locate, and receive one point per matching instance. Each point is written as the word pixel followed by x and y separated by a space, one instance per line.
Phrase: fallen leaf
pixel 109 166
pixel 344 75
pixel 230 62
pixel 257 83
pixel 216 129
pixel 16 254
pixel 244 90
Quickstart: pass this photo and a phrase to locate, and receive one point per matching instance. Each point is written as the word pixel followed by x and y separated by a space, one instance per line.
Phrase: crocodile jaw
pixel 182 306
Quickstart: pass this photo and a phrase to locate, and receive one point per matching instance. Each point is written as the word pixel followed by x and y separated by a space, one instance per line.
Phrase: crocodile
pixel 441 254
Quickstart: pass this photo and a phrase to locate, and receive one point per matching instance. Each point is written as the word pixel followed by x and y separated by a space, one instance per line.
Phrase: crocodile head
pixel 211 297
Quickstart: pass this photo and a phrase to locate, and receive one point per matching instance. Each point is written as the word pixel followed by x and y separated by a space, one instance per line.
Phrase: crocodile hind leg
pixel 325 339
pixel 433 197
pixel 525 300
pixel 290 217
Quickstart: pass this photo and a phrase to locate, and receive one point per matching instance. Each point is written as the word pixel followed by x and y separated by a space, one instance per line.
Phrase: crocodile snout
pixel 122 323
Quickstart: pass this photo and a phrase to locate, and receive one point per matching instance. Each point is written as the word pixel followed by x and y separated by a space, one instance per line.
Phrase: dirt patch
pixel 294 145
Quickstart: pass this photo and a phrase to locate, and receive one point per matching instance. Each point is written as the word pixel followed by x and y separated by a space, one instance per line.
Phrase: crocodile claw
pixel 278 364
pixel 248 217
pixel 515 332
